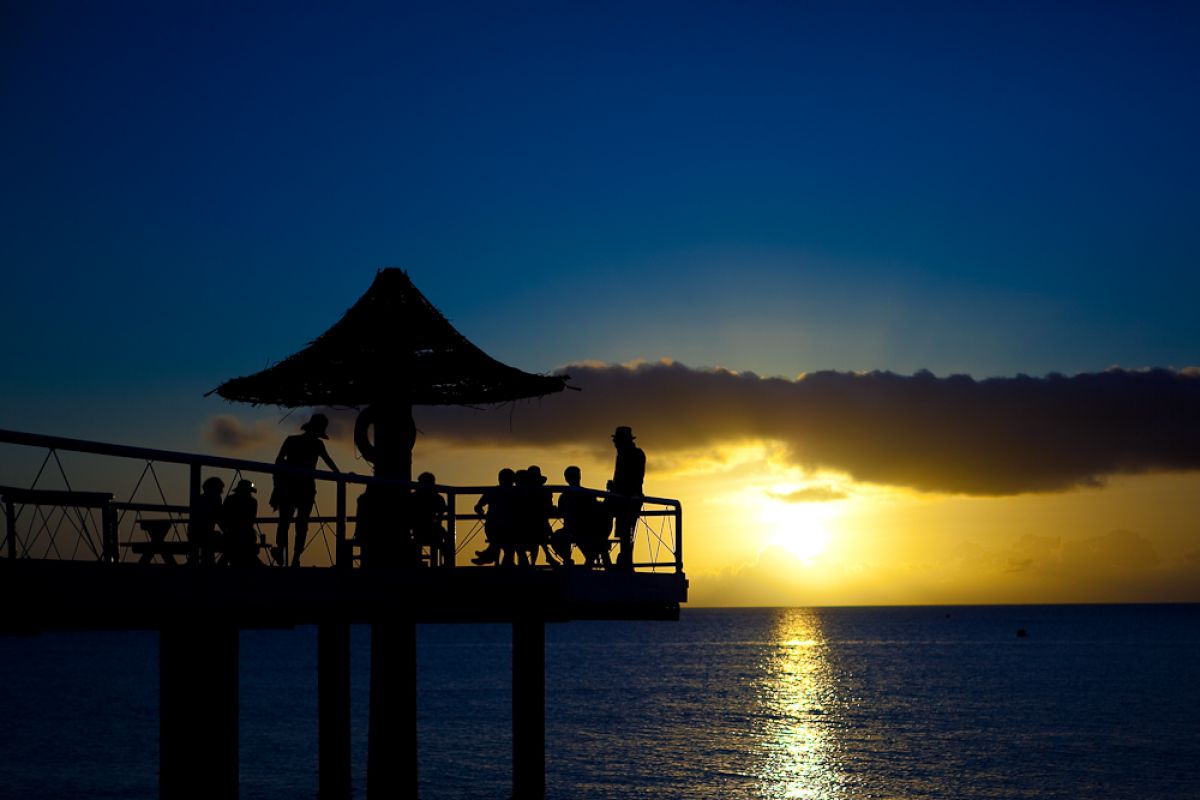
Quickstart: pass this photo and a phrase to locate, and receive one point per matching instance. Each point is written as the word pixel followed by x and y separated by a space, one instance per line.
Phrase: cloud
pixel 228 434
pixel 1115 551
pixel 1118 551
pixel 953 434
pixel 810 494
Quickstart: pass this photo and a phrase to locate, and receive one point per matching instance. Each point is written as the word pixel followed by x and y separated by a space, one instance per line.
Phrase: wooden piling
pixel 392 726
pixel 529 709
pixel 333 710
pixel 198 710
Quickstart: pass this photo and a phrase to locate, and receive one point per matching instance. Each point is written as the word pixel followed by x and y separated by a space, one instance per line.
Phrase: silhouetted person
pixel 428 510
pixel 629 472
pixel 237 521
pixel 293 495
pixel 535 504
pixel 385 433
pixel 498 522
pixel 584 523
pixel 524 504
pixel 203 536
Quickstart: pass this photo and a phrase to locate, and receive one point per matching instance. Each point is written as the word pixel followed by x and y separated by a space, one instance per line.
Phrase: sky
pixel 898 298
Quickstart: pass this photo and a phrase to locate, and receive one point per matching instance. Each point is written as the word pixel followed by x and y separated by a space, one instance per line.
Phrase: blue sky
pixel 194 190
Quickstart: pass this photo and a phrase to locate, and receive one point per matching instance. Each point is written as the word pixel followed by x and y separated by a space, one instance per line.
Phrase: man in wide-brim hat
pixel 628 473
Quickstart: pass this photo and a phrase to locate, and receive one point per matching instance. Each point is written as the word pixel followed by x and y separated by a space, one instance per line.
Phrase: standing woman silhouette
pixel 294 495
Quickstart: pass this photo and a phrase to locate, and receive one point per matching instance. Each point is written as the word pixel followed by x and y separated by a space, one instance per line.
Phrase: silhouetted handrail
pixel 671 507
pixel 175 457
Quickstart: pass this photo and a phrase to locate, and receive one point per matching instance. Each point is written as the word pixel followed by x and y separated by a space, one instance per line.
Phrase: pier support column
pixel 333 710
pixel 392 727
pixel 529 709
pixel 198 710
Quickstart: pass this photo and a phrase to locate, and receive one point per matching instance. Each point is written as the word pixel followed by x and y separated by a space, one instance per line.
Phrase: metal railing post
pixel 194 485
pixel 341 550
pixel 451 519
pixel 679 538
pixel 10 522
pixel 108 526
pixel 194 490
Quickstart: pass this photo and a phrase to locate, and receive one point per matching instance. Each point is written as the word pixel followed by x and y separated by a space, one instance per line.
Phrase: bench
pixel 158 545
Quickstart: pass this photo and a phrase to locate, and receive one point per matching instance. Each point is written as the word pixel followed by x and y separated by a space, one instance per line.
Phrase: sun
pixel 800 528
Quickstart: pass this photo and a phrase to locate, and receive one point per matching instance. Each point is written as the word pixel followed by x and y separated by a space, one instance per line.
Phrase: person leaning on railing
pixel 294 495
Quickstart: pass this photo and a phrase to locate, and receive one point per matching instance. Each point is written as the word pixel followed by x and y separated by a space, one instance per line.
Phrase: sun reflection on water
pixel 796 697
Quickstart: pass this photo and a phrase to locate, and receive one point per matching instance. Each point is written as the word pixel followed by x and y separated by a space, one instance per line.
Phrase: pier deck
pixel 79 595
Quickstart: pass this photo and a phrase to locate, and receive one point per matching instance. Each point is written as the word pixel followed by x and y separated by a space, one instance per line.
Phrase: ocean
pixel 825 703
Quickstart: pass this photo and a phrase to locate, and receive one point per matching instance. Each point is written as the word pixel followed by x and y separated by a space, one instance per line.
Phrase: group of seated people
pixel 517 514
pixel 222 531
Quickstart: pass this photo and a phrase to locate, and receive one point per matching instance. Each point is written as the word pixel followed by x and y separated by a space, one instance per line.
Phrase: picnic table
pixel 167 550
pixel 156 543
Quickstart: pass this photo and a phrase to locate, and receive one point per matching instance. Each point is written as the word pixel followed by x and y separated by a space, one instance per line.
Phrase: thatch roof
pixel 391 345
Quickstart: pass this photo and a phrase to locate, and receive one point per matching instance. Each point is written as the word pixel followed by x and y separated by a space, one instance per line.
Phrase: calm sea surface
pixel 1095 702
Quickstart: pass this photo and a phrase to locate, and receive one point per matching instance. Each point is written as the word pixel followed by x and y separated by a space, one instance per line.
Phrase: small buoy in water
pixel 1021 633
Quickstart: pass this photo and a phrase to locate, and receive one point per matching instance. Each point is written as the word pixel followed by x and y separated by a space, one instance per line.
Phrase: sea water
pixel 928 702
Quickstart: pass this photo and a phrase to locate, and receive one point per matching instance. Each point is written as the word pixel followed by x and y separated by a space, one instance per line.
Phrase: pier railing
pixel 138 502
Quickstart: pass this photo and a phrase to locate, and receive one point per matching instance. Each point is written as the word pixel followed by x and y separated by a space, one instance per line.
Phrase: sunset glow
pixel 800 528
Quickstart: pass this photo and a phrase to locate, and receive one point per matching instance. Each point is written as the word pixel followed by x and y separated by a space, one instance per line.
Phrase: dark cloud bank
pixel 954 434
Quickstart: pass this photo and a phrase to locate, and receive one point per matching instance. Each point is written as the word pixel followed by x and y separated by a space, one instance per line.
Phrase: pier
pixel 116 556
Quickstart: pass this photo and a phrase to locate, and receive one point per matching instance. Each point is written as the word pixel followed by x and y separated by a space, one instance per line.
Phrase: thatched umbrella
pixel 392 345
pixel 392 350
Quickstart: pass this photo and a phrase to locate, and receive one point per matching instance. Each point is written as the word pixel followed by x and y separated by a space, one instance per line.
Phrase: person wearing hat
pixel 238 516
pixel 294 495
pixel 628 474
pixel 543 509
pixel 534 504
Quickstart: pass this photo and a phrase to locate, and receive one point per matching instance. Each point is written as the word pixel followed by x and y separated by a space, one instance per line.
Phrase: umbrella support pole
pixel 392 726
pixel 198 710
pixel 529 709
